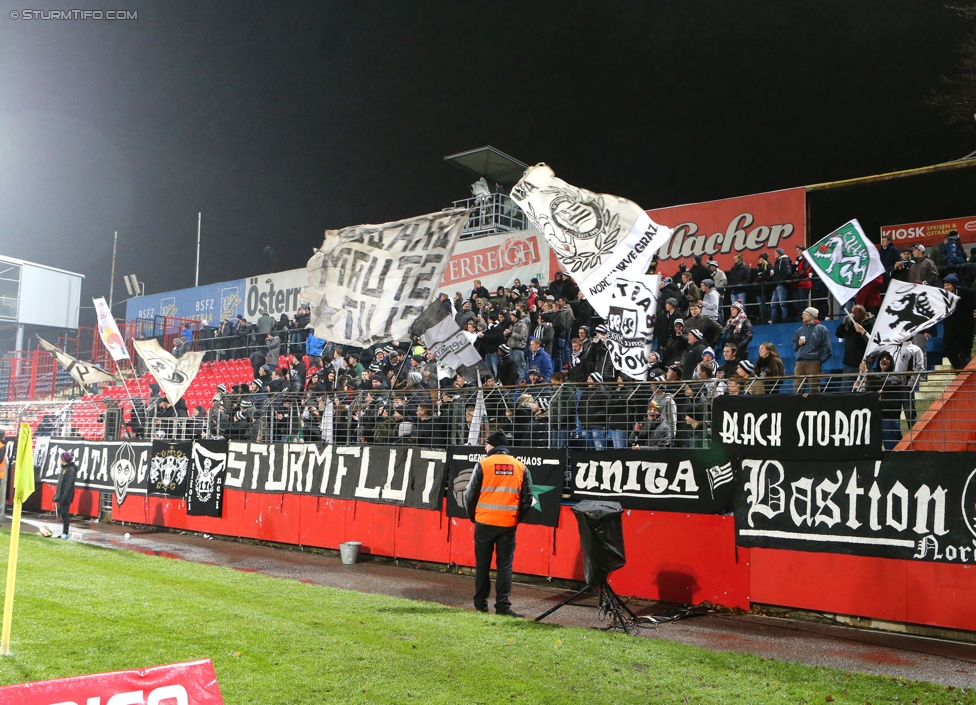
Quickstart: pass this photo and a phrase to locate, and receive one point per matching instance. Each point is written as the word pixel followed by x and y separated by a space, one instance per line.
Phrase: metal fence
pixel 933 410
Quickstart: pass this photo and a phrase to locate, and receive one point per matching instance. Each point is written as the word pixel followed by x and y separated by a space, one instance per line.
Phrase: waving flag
pixel 367 283
pixel 113 340
pixel 606 243
pixel 845 260
pixel 449 344
pixel 84 373
pixel 174 376
pixel 908 309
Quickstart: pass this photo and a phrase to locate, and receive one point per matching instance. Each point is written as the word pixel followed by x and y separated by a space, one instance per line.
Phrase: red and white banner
pixel 931 232
pixel 721 229
pixel 190 683
pixel 497 260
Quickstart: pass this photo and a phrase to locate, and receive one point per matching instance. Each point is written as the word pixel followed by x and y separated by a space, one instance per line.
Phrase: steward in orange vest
pixel 496 498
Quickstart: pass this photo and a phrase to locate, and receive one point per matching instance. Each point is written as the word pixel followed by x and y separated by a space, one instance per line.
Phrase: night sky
pixel 280 120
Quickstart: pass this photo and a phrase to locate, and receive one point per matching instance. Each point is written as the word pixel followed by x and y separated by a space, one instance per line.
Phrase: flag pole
pixel 23 488
pixel 196 279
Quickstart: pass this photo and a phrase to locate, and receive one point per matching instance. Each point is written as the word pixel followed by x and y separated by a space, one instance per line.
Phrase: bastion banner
pixel 912 506
pixel 746 225
pixel 698 482
pixel 179 683
pixel 412 477
pixel 792 427
pixel 547 467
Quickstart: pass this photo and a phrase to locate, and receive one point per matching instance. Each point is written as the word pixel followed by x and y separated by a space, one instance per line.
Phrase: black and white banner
pixel 411 477
pixel 121 467
pixel 169 468
pixel 914 506
pixel 449 345
pixel 174 376
pixel 908 309
pixel 606 243
pixel 547 466
pixel 205 489
pixel 367 283
pixel 698 482
pixel 84 373
pixel 791 427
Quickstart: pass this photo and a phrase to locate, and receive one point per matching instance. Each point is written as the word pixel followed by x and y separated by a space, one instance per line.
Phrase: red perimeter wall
pixel 686 558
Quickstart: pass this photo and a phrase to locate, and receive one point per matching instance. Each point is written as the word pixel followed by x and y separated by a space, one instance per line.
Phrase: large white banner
pixel 174 376
pixel 113 340
pixel 367 283
pixel 84 373
pixel 908 309
pixel 606 244
pixel 845 260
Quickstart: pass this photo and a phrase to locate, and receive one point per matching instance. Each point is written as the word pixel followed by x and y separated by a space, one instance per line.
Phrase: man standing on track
pixel 498 495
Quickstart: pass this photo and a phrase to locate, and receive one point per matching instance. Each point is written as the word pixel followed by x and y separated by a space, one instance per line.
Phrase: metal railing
pixel 934 410
pixel 491 213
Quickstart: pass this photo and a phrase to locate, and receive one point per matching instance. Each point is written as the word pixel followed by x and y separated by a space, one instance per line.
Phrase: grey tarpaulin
pixel 602 539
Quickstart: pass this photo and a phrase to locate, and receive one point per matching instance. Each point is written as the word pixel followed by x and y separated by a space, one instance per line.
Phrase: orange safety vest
pixel 501 487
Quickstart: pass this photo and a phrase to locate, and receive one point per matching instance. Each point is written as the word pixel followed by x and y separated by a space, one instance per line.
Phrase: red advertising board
pixel 931 232
pixel 177 684
pixel 496 260
pixel 720 229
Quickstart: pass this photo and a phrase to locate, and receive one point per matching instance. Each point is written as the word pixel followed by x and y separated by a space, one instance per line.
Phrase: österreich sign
pixel 914 506
pixel 792 427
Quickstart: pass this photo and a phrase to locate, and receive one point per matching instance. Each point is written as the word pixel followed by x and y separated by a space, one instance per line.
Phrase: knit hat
pixel 504 349
pixel 535 371
pixel 672 302
pixel 748 367
pixel 415 377
pixel 712 263
pixel 497 438
pixel 919 247
pixel 543 403
pixel 708 351
pixel 736 304
pixel 597 377
pixel 67 457
pixel 222 388
pixel 812 311
pixel 245 404
pixel 600 328
pixel 667 280
pixel 697 333
pixel 375 368
pixel 710 283
pixel 679 321
pixel 259 382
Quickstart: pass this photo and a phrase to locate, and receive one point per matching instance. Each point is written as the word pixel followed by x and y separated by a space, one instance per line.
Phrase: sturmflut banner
pixel 700 482
pixel 790 427
pixel 547 467
pixel 606 243
pixel 367 283
pixel 411 477
pixel 913 506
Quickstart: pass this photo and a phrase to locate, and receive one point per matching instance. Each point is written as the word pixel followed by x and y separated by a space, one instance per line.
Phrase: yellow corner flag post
pixel 23 488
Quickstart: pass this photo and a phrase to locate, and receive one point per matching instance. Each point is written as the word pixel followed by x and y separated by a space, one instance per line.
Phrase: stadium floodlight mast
pixel 134 286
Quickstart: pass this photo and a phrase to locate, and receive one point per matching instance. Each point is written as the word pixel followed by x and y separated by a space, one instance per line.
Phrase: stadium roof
pixel 490 163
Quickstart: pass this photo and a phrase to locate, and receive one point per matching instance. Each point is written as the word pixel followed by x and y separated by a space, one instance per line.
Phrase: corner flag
pixel 24 474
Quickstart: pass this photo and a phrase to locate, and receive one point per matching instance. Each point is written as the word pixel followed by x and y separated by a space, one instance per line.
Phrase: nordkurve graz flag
pixel 169 468
pixel 606 243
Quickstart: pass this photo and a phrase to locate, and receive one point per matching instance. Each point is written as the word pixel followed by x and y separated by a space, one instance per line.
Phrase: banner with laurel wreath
pixel 606 244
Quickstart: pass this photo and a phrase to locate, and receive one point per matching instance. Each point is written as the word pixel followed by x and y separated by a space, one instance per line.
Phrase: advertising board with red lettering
pixel 746 225
pixel 931 232
pixel 496 261
pixel 176 684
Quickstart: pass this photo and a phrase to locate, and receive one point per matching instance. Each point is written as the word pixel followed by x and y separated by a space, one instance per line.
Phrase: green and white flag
pixel 845 260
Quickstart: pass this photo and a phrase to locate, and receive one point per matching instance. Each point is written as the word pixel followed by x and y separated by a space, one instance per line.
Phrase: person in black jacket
pixel 855 331
pixel 64 493
pixel 957 329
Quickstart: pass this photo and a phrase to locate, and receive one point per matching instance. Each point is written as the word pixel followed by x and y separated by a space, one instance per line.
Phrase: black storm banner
pixel 169 468
pixel 412 477
pixel 121 467
pixel 547 466
pixel 794 427
pixel 914 506
pixel 698 482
